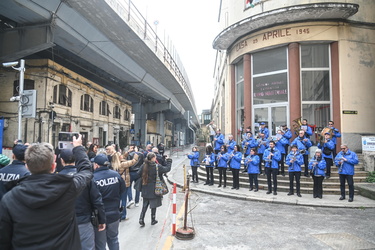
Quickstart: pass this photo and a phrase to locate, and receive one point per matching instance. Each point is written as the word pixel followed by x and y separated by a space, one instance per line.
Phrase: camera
pixel 66 139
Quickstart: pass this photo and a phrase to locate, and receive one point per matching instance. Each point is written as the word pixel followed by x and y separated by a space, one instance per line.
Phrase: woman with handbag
pixel 151 174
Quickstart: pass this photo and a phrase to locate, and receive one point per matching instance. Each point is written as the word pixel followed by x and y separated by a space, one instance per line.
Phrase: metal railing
pixel 168 55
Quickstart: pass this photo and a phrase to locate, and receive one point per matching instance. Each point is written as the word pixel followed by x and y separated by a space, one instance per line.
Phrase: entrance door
pixel 273 116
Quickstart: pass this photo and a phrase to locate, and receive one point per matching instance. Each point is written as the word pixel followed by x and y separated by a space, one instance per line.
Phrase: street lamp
pixel 21 69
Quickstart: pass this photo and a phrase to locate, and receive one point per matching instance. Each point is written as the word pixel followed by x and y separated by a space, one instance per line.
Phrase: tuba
pixel 321 135
pixel 297 124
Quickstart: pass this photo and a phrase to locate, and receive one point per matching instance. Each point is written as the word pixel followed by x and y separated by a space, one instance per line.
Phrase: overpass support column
pixel 160 129
pixel 140 125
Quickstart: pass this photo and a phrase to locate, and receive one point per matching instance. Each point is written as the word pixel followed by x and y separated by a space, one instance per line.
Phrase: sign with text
pixel 368 143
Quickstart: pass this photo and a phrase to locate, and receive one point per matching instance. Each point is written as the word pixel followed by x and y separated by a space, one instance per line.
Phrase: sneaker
pixel 137 204
pixel 130 203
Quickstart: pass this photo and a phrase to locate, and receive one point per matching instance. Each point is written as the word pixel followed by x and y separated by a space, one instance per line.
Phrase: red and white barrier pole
pixel 174 209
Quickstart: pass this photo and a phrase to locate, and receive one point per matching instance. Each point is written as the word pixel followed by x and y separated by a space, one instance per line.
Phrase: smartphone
pixel 66 139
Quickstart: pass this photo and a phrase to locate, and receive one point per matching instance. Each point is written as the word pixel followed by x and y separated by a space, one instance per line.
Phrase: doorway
pixel 272 115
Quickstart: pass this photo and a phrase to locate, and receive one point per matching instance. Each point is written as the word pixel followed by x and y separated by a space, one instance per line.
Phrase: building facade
pixel 66 102
pixel 283 61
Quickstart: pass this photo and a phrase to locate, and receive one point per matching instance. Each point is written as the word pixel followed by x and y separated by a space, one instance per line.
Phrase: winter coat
pixel 280 144
pixel 124 169
pixel 194 158
pixel 222 160
pixel 148 189
pixel 265 131
pixel 288 135
pixel 89 200
pixel 296 165
pixel 347 167
pixel 302 145
pixel 262 145
pixel 249 144
pixel 235 161
pixel 336 134
pixel 230 146
pixel 318 169
pixel 209 160
pixel 219 142
pixel 275 159
pixel 39 212
pixel 111 186
pixel 253 165
pixel 328 146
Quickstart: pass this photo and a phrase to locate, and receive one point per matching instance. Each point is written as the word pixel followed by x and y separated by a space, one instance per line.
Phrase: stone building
pixel 281 61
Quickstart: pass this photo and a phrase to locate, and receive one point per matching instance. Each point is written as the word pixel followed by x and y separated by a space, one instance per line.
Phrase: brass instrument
pixel 321 135
pixel 297 124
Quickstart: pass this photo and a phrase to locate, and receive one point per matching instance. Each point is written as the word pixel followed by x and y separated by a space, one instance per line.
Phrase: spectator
pixel 39 213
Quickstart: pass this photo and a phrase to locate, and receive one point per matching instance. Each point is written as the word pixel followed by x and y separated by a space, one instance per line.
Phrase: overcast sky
pixel 191 26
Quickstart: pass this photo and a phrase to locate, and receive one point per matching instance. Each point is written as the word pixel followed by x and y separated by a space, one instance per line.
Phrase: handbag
pixel 160 186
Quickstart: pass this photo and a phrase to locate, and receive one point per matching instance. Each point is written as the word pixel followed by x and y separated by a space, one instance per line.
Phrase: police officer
pixel 111 186
pixel 89 201
pixel 14 171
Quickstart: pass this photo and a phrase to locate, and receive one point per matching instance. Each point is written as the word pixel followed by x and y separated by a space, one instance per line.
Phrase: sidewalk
pixel 176 175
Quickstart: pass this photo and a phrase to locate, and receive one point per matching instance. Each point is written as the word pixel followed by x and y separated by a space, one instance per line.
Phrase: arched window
pixel 126 115
pixel 104 108
pixel 116 112
pixel 87 103
pixel 62 95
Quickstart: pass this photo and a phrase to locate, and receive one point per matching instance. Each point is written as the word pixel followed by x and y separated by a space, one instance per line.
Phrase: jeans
pixel 124 195
pixel 133 178
pixel 109 236
pixel 87 236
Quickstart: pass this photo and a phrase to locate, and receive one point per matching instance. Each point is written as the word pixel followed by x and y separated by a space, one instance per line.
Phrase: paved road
pixel 222 223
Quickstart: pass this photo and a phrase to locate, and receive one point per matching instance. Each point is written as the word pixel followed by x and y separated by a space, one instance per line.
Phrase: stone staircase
pixel 330 186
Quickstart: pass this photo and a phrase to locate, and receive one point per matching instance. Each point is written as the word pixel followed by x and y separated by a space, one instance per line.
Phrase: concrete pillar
pixel 247 89
pixel 336 109
pixel 233 113
pixel 294 82
pixel 160 118
pixel 140 125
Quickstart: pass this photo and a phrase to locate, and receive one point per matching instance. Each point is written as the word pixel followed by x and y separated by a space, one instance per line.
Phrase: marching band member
pixel 317 166
pixel 287 135
pixel 280 145
pixel 336 134
pixel 305 127
pixel 252 163
pixel 218 141
pixel 294 161
pixel 262 146
pixel 264 130
pixel 235 165
pixel 303 145
pixel 194 161
pixel 271 158
pixel 248 143
pixel 222 165
pixel 231 143
pixel 345 161
pixel 209 161
pixel 327 149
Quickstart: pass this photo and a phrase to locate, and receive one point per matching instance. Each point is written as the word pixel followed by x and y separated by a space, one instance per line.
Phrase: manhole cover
pixel 344 241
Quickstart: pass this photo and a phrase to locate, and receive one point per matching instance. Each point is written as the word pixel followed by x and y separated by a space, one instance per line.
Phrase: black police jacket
pixel 89 200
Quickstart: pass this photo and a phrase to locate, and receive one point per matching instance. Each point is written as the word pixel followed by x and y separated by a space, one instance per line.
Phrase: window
pixel 270 76
pixel 87 103
pixel 316 85
pixel 116 112
pixel 126 115
pixel 62 95
pixel 27 84
pixel 104 108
